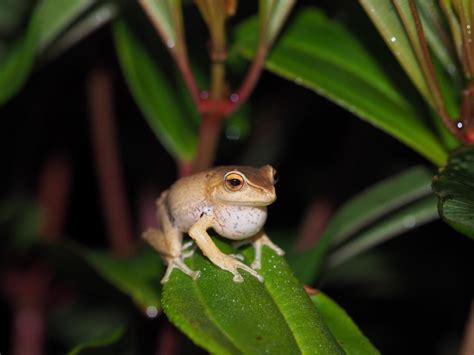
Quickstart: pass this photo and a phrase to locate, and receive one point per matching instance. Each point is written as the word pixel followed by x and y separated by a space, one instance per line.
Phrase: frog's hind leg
pixel 172 258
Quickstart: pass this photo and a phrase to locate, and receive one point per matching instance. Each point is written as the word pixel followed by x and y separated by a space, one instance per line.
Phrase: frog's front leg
pixel 198 232
pixel 258 241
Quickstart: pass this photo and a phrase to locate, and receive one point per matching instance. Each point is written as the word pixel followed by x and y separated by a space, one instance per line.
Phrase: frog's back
pixel 186 200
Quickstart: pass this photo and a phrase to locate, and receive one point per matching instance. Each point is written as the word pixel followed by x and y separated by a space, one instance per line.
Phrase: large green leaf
pixel 225 317
pixel 454 186
pixel 154 94
pixel 324 56
pixel 346 332
pixel 47 20
pixel 361 211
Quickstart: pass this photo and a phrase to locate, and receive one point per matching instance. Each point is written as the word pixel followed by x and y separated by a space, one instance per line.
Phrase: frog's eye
pixel 234 181
pixel 276 177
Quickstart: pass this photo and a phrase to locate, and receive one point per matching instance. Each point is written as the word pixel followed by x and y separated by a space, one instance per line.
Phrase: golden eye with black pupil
pixel 234 181
pixel 276 177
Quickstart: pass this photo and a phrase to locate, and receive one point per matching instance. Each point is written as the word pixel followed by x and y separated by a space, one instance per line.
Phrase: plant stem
pixel 251 78
pixel 111 186
pixel 178 50
pixel 430 76
pixel 467 345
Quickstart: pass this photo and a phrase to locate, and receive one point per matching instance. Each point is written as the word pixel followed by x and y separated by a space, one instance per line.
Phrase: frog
pixel 232 200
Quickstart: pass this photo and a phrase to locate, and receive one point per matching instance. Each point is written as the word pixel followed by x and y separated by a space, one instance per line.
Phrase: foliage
pixel 313 50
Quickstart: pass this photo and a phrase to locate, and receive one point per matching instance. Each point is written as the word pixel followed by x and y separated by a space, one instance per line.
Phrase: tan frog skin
pixel 232 200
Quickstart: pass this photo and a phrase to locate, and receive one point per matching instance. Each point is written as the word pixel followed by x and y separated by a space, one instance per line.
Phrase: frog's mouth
pixel 253 203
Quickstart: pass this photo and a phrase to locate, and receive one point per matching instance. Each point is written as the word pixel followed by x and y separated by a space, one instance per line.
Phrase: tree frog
pixel 232 200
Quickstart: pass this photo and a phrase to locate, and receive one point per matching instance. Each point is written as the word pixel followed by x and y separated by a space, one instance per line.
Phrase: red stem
pixel 431 78
pixel 250 80
pixel 111 185
pixel 208 140
pixel 467 345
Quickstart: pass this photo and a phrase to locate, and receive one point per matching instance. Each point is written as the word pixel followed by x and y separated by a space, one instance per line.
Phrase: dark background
pixel 417 302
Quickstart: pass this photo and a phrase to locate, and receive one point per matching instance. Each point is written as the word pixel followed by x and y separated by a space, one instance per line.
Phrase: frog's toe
pixel 238 256
pixel 178 263
pixel 250 271
pixel 256 265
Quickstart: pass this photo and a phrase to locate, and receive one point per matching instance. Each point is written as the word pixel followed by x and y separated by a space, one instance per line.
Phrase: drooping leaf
pixel 225 317
pixel 409 217
pixel 154 94
pixel 138 276
pixel 454 186
pixel 314 50
pixel 359 212
pixel 106 344
pixel 346 332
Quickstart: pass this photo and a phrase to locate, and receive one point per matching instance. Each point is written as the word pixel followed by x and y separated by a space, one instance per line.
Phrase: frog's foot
pixel 178 263
pixel 258 245
pixel 229 263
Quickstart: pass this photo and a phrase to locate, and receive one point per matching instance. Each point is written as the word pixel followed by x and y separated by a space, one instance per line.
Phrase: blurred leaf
pixel 54 16
pixel 138 276
pixel 359 212
pixel 82 321
pixel 166 16
pixel 107 344
pixel 412 216
pixel 347 334
pixel 438 37
pixel 47 20
pixel 225 317
pixel 313 52
pixel 272 14
pixel 16 63
pixel 85 25
pixel 454 186
pixel 154 94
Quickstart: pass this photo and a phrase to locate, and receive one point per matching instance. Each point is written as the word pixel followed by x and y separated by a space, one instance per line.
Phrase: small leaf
pixel 166 16
pixel 313 52
pixel 346 332
pixel 454 186
pixel 225 317
pixel 54 16
pixel 273 14
pixel 138 276
pixel 154 94
pixel 106 344
pixel 361 211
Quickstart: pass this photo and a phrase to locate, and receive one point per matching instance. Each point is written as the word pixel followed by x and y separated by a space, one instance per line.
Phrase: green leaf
pixel 454 186
pixel 16 64
pixel 154 94
pixel 314 52
pixel 54 16
pixel 138 276
pixel 101 345
pixel 48 19
pixel 346 332
pixel 409 217
pixel 273 14
pixel 225 317
pixel 361 211
pixel 390 26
